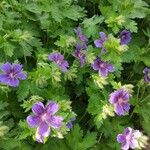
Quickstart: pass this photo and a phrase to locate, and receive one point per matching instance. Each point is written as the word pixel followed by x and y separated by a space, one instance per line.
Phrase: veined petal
pixel 21 76
pixel 38 108
pixel 121 138
pixel 43 129
pixel 125 146
pixel 6 67
pixel 33 121
pixel 119 110
pixel 13 82
pixel 4 78
pixel 55 121
pixel 52 107
pixel 98 43
pixel 17 68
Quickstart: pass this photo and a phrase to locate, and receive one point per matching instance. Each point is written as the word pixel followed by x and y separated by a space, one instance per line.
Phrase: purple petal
pixel 43 129
pixel 51 57
pixel 6 67
pixel 55 121
pixel 126 106
pixel 125 146
pixel 95 65
pixel 102 36
pixel 64 65
pixel 103 72
pixel 119 110
pixel 134 144
pixel 110 67
pixel 98 43
pixel 17 68
pixel 21 76
pixel 52 108
pixel 121 138
pixel 113 99
pixel 38 108
pixel 4 78
pixel 13 82
pixel 33 121
pixel 69 125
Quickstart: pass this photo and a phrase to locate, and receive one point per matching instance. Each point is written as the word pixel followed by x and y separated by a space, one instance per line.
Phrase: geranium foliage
pixel 74 74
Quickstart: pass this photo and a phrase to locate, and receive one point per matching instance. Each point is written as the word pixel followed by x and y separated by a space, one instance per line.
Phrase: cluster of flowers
pixel 44 117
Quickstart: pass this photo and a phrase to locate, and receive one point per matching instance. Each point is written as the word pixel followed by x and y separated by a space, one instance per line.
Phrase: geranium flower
pixel 120 100
pixel 102 67
pixel 146 72
pixel 132 139
pixel 82 37
pixel 125 37
pixel 80 54
pixel 70 123
pixel 44 119
pixel 59 60
pixel 100 42
pixel 11 74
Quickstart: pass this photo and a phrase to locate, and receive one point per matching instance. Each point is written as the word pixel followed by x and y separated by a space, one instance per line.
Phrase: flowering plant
pixel 72 78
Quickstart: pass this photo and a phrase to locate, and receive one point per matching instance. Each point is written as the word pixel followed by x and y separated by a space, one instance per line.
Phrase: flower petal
pixel 55 121
pixel 121 138
pixel 119 110
pixel 102 36
pixel 4 78
pixel 6 67
pixel 43 129
pixel 126 106
pixel 103 72
pixel 125 146
pixel 134 144
pixel 13 82
pixel 38 108
pixel 52 107
pixel 98 43
pixel 21 76
pixel 17 68
pixel 33 121
pixel 64 65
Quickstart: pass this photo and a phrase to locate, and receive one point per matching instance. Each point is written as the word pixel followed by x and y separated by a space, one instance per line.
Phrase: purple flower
pixel 146 72
pixel 12 73
pixel 82 37
pixel 44 118
pixel 129 139
pixel 80 54
pixel 59 60
pixel 125 37
pixel 70 123
pixel 120 100
pixel 100 42
pixel 102 67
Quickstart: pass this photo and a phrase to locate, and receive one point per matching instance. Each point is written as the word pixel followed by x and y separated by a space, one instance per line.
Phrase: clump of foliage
pixel 89 60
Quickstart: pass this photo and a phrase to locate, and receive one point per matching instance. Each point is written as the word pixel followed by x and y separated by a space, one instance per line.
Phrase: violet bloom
pixel 12 73
pixel 129 139
pixel 44 118
pixel 125 37
pixel 120 100
pixel 80 54
pixel 70 123
pixel 100 42
pixel 82 37
pixel 102 67
pixel 146 72
pixel 59 60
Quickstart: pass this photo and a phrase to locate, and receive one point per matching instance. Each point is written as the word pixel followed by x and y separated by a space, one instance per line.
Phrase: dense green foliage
pixel 31 29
